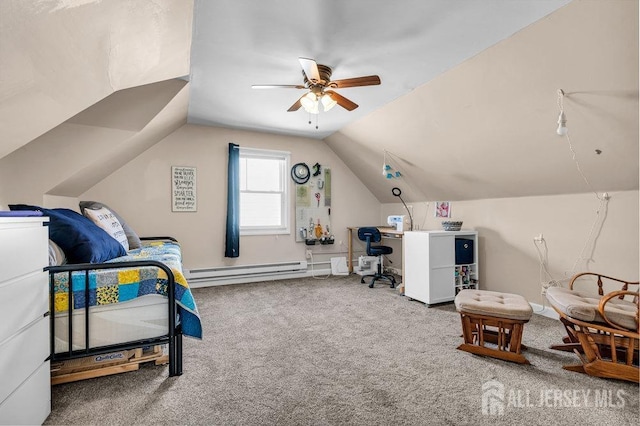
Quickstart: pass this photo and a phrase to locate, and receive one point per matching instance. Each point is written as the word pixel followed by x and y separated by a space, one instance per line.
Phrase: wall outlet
pixel 538 238
pixel 309 254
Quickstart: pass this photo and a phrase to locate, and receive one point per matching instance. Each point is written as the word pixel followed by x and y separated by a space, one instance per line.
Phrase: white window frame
pixel 284 227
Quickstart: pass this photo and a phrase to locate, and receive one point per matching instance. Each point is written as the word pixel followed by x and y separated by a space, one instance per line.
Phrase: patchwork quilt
pixel 110 286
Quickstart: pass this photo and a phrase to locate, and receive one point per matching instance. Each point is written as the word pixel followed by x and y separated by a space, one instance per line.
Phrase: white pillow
pixel 106 220
pixel 56 255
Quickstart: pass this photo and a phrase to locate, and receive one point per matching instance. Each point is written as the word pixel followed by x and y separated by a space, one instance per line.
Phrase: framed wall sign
pixel 183 189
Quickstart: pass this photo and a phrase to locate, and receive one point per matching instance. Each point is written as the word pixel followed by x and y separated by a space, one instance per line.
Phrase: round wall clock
pixel 300 173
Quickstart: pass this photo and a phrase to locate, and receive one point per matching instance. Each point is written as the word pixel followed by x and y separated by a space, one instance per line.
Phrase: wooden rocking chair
pixel 602 330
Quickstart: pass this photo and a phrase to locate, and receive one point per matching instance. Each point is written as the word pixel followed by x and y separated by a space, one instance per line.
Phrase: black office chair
pixel 372 235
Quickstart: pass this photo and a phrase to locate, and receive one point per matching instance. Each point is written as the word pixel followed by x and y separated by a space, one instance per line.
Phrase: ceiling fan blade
pixel 370 80
pixel 310 68
pixel 296 106
pixel 278 86
pixel 342 101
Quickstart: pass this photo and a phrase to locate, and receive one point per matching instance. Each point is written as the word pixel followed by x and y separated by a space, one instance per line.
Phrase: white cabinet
pixel 438 264
pixel 25 388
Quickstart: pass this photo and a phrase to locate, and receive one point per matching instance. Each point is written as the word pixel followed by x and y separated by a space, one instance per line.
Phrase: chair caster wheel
pixel 362 281
pixel 393 286
pixel 371 285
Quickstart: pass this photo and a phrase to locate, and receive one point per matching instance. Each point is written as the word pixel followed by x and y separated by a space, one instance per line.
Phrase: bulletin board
pixel 313 206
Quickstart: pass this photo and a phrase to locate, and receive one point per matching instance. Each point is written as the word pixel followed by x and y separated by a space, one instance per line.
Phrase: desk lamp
pixel 397 192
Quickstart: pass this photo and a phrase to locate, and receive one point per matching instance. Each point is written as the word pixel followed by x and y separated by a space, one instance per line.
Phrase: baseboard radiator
pixel 246 273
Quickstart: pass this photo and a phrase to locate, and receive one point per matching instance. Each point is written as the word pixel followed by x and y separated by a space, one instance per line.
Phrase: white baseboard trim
pixel 319 273
pixel 545 311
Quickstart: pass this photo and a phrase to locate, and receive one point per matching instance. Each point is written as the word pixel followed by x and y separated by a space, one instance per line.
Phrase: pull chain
pixel 317 115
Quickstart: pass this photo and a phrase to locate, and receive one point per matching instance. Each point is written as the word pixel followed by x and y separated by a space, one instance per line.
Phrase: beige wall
pixel 506 229
pixel 141 192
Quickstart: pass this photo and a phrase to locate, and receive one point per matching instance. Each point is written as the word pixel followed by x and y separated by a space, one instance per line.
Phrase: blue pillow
pixel 81 240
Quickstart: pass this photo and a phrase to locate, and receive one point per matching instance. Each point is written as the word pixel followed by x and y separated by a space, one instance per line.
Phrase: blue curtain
pixel 232 243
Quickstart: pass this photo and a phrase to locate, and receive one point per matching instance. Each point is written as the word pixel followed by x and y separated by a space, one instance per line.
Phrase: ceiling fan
pixel 317 80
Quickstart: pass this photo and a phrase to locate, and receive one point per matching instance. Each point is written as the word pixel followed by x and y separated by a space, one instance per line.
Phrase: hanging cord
pixel 543 258
pixel 393 157
pixel 598 223
pixel 426 215
pixel 313 274
pixel 544 274
pixel 310 122
pixel 407 178
pixel 574 156
pixel 603 207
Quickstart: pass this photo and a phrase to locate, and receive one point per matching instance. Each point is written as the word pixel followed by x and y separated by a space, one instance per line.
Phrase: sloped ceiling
pixel 85 86
pixel 486 128
pixel 468 104
pixel 467 108
pixel 407 43
pixel 59 57
pixel 77 154
pixel 151 112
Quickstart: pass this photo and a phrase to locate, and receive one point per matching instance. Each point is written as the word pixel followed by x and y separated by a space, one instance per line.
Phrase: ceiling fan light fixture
pixel 317 79
pixel 328 102
pixel 309 102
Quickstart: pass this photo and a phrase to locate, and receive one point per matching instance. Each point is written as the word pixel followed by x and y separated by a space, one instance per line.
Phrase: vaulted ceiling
pixel 467 108
pixel 237 44
pixel 468 104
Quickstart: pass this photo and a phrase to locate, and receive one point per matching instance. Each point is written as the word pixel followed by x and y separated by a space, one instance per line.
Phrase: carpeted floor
pixel 302 352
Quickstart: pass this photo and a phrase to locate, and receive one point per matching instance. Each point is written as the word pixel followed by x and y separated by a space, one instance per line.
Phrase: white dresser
pixel 25 388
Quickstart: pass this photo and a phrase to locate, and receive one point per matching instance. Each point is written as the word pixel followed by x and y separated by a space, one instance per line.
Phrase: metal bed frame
pixel 174 333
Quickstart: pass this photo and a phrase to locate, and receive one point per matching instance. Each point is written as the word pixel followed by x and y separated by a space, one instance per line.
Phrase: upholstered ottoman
pixel 495 318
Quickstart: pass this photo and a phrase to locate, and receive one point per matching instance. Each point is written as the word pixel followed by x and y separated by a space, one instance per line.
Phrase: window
pixel 264 192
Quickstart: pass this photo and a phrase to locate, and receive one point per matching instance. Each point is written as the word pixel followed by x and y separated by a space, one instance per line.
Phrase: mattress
pixel 121 282
pixel 144 317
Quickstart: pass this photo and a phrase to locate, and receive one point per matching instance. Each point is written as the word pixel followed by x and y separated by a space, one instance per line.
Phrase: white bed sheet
pixel 141 318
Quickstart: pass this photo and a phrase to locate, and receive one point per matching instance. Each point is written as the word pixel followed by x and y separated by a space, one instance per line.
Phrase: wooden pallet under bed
pixel 89 367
